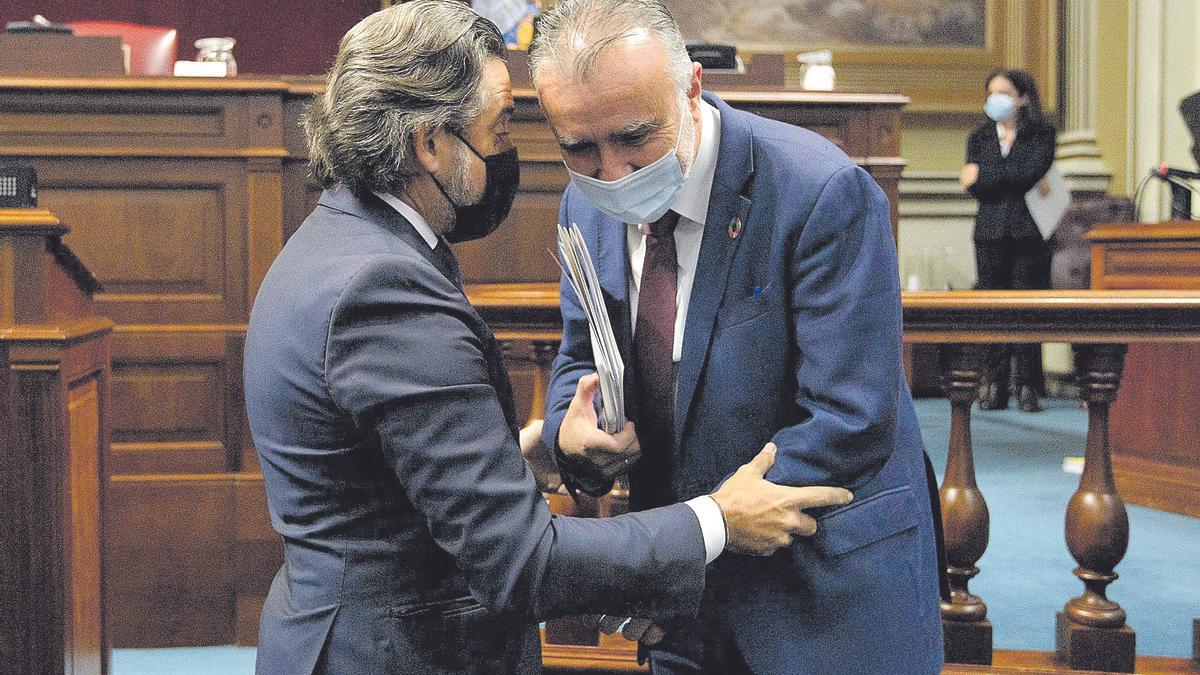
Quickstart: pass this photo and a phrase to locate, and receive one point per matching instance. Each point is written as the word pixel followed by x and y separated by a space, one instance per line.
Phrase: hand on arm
pixel 762 517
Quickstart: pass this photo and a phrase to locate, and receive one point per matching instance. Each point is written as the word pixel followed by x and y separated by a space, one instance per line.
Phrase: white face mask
pixel 644 195
pixel 1000 107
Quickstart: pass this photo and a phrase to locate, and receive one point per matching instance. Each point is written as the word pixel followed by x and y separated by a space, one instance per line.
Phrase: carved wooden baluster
pixel 1091 630
pixel 505 347
pixel 544 352
pixel 968 633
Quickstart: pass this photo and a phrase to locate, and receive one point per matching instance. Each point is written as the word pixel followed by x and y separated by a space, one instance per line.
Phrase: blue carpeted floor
pixel 184 661
pixel 1025 575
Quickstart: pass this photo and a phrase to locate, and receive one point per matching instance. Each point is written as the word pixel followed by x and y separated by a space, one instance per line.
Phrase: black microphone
pixel 1164 171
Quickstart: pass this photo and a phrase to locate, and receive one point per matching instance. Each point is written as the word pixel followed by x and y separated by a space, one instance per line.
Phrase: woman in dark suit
pixel 1006 157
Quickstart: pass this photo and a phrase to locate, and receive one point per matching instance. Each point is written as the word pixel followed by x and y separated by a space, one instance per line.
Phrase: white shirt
pixel 410 214
pixel 692 207
pixel 1005 147
pixel 712 522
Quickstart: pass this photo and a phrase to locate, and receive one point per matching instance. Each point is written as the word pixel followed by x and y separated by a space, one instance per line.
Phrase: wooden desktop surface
pixel 1156 418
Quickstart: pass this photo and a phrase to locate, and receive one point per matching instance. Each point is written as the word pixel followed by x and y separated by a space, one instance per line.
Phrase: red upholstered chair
pixel 151 48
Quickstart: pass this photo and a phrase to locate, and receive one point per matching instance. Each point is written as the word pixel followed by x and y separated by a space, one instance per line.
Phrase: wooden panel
pixel 161 244
pixel 170 407
pixel 1161 484
pixel 1168 265
pixel 80 121
pixel 170 577
pixel 83 518
pixel 1011 662
pixel 167 417
pixel 166 238
pixel 157 120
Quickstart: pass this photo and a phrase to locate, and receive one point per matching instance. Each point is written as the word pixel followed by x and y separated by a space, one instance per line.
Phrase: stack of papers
pixel 577 265
pixel 1048 209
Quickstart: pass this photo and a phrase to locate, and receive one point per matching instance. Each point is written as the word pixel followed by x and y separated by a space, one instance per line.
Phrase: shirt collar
pixel 410 214
pixel 692 202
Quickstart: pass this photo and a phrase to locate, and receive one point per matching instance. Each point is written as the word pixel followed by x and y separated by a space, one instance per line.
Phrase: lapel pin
pixel 735 228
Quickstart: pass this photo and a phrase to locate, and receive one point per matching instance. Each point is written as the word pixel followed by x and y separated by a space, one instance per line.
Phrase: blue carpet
pixel 184 661
pixel 1025 575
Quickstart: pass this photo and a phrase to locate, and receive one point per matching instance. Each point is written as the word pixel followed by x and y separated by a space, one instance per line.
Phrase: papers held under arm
pixel 1048 209
pixel 581 273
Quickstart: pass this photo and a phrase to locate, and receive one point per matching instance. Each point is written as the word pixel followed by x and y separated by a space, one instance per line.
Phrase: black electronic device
pixel 1189 107
pixel 714 57
pixel 18 187
pixel 1164 171
pixel 1181 191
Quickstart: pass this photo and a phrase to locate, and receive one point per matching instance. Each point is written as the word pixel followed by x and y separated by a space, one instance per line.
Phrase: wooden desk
pixel 1156 418
pixel 54 395
pixel 181 192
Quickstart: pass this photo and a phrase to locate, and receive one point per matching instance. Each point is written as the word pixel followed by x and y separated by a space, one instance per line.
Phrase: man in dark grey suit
pixel 415 537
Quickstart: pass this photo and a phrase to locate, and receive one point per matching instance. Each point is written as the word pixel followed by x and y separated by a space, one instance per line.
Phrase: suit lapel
pixel 728 204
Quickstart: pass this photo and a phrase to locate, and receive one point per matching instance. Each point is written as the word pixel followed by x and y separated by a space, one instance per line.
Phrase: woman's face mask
pixel 1000 107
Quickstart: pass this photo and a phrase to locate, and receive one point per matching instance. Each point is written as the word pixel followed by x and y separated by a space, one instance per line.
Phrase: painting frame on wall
pixel 779 25
pixel 939 78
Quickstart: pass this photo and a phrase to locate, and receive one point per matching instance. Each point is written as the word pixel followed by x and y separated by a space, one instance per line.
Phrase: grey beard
pixel 458 189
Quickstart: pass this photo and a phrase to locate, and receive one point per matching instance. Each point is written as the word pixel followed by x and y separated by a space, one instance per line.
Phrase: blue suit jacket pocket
pixel 744 310
pixel 865 522
pixel 457 635
pixel 455 607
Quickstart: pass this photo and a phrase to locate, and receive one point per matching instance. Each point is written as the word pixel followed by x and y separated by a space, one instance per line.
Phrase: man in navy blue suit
pixel 749 269
pixel 415 538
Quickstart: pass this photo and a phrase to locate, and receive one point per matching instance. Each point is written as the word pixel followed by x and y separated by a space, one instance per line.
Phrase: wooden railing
pixel 1091 630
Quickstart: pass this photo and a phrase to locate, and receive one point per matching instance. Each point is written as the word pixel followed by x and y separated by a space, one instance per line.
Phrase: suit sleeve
pixel 845 310
pixel 404 364
pixel 1020 171
pixel 574 360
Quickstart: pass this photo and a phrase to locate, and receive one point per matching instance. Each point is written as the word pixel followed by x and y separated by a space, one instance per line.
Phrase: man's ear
pixel 429 148
pixel 694 87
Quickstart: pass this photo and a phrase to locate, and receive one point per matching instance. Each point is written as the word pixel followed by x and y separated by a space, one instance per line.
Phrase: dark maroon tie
pixel 654 341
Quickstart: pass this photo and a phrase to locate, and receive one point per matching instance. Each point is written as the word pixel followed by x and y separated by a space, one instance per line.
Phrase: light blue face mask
pixel 641 197
pixel 1000 107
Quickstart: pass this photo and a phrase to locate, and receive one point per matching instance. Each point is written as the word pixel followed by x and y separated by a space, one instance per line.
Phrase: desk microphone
pixel 1164 171
pixel 1181 192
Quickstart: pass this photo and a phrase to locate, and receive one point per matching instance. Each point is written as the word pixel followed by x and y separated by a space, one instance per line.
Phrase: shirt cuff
pixel 712 525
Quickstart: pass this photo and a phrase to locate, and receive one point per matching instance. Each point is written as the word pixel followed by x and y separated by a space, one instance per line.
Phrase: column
pixel 1078 154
